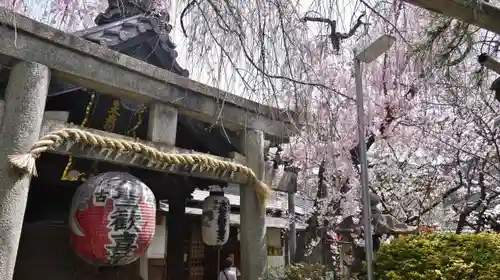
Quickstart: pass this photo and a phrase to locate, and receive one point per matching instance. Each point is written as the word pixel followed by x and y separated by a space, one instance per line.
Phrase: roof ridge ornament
pixel 121 9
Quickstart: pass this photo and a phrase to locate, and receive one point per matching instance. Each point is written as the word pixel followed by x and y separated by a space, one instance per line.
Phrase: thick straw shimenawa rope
pixel 53 140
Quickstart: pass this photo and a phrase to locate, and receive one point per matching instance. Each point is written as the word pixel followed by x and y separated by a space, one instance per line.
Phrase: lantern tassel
pixel 53 140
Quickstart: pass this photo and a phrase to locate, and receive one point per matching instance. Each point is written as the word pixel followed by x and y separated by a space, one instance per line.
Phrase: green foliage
pixel 440 257
pixel 298 271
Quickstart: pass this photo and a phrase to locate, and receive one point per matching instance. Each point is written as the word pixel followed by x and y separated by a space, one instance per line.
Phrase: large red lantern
pixel 112 219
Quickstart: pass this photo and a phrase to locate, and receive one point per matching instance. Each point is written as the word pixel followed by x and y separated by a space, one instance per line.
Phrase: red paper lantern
pixel 112 219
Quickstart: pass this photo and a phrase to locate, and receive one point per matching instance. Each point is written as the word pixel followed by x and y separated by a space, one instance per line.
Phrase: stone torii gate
pixel 35 53
pixel 476 12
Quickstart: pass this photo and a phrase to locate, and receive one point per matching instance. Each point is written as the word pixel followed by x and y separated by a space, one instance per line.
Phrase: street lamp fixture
pixel 374 49
pixel 489 62
pixel 493 65
pixel 367 55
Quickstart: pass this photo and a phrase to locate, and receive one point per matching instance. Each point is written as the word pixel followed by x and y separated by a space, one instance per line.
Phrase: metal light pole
pixel 367 55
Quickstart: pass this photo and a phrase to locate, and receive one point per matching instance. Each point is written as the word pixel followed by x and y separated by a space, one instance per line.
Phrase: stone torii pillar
pixel 21 123
pixel 253 217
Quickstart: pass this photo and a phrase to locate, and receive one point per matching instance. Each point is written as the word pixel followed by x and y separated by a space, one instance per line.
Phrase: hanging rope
pixel 156 158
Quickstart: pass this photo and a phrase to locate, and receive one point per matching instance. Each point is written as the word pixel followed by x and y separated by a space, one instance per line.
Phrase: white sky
pixel 345 9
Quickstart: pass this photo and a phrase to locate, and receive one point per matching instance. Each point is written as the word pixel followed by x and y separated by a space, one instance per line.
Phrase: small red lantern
pixel 112 219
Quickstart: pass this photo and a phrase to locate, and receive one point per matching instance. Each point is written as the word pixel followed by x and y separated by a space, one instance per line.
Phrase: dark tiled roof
pixel 271 222
pixel 303 206
pixel 139 29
